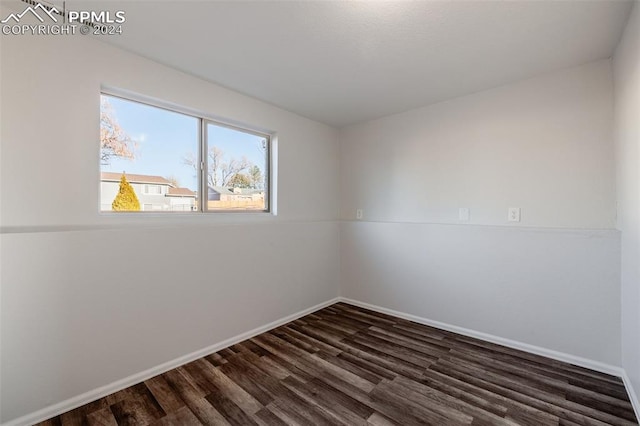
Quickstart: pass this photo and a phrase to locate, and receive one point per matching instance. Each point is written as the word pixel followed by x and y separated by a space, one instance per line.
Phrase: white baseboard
pixel 537 350
pixel 103 391
pixel 633 396
pixel 77 401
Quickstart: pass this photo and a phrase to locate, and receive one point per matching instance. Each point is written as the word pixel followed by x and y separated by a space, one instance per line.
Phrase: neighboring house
pixel 221 193
pixel 155 193
pixel 182 199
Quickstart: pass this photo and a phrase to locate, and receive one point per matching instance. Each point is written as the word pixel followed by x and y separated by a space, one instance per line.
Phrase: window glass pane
pixel 148 158
pixel 237 165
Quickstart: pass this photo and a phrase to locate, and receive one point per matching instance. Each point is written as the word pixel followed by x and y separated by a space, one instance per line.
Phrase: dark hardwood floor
pixel 350 366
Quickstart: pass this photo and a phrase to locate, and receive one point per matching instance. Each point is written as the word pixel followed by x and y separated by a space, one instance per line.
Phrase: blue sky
pixel 165 138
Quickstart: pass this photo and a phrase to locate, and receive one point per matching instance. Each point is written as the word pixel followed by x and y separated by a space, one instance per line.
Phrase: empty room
pixel 319 212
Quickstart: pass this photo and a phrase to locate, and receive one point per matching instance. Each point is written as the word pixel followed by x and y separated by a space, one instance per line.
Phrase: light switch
pixel 463 214
pixel 359 214
pixel 514 214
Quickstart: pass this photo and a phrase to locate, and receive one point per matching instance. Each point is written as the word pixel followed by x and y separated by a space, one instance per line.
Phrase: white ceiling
pixel 346 62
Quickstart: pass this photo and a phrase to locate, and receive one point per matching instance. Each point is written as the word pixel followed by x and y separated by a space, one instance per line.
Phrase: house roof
pixel 221 190
pixel 133 178
pixel 229 191
pixel 249 191
pixel 180 192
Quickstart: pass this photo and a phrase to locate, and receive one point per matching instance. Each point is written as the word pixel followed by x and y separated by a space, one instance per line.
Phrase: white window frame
pixel 203 186
pixel 204 165
pixel 145 189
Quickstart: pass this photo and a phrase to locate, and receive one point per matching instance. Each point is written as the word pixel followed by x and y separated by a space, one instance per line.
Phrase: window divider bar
pixel 204 166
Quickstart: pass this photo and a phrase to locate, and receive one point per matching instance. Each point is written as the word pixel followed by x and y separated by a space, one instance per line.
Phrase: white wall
pixel 90 299
pixel 555 289
pixel 626 66
pixel 544 145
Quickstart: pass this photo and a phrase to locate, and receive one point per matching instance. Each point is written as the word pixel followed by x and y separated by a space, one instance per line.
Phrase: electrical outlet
pixel 359 214
pixel 464 214
pixel 514 214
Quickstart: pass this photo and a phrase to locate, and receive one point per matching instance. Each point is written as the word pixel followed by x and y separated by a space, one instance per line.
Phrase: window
pixel 159 160
pixel 153 189
pixel 236 162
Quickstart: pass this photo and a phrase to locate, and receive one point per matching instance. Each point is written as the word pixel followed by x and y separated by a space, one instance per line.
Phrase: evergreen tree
pixel 255 175
pixel 126 200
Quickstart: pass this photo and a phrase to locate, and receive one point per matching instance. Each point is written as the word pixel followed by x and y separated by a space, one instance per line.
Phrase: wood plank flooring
pixel 344 365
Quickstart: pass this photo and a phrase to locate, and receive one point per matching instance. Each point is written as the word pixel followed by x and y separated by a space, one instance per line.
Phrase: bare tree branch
pixel 220 172
pixel 114 141
pixel 233 167
pixel 215 159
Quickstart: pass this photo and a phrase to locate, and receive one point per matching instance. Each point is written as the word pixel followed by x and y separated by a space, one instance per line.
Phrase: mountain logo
pixel 33 11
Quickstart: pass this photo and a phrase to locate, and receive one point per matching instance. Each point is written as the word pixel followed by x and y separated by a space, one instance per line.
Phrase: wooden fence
pixel 236 205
